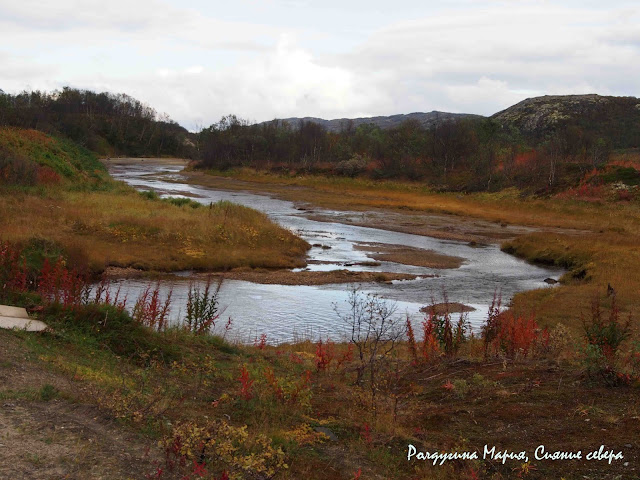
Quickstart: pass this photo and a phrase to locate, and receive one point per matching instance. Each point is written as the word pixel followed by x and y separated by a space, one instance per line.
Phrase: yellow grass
pixel 121 228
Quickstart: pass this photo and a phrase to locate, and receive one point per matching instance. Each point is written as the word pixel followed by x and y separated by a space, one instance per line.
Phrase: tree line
pixel 109 124
pixel 469 154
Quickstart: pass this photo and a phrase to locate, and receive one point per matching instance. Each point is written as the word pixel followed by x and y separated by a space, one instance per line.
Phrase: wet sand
pixel 272 277
pixel 410 256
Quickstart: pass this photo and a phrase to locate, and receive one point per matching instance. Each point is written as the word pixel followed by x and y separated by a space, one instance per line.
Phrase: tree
pixel 373 329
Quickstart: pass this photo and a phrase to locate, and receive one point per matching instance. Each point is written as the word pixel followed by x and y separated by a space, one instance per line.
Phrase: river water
pixel 288 313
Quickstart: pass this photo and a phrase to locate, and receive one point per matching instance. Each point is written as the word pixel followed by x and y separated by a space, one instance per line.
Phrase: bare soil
pixel 64 437
pixel 410 256
pixel 275 277
pixel 451 307
pixel 287 277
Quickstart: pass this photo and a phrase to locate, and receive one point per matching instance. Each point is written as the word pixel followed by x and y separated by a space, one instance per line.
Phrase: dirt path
pixel 48 432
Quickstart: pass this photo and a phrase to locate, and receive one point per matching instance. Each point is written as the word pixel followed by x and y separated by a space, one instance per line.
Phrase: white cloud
pixel 198 64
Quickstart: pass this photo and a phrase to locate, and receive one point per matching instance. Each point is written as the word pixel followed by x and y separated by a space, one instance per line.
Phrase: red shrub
pixel 261 342
pixel 246 383
pixel 324 355
pixel 430 348
pixel 13 270
pixel 273 383
pixel 46 176
pixel 366 433
pixel 57 284
pixel 150 311
pixel 411 338
pixel 345 357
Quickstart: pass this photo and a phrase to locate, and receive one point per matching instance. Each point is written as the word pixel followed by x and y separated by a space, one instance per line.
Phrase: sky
pixel 197 61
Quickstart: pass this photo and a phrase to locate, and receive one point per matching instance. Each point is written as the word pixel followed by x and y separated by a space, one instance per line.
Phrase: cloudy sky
pixel 200 60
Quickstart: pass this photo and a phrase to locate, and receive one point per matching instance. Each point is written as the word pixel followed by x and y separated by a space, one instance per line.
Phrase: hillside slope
pixel 426 120
pixel 616 119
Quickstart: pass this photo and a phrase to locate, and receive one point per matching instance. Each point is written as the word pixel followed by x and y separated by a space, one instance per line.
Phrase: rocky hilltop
pixel 427 120
pixel 602 115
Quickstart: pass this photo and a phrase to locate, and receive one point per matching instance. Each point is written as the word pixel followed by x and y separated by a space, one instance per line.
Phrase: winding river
pixel 290 313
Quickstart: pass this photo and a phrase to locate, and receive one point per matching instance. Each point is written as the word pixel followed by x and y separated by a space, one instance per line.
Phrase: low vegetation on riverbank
pixel 193 405
pixel 57 198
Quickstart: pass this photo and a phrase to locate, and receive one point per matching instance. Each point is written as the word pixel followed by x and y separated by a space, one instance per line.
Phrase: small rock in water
pixel 550 281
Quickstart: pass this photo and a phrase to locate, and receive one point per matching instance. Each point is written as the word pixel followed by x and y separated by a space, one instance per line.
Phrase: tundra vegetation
pixel 56 198
pixel 560 367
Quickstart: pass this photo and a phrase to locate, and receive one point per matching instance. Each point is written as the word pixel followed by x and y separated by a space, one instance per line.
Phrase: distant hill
pixel 427 120
pixel 616 119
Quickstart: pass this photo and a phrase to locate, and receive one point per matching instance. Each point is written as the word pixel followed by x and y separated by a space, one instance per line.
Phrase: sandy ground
pixel 276 277
pixel 135 161
pixel 410 256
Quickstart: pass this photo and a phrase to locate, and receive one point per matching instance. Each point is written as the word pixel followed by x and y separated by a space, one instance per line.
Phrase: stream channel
pixel 291 313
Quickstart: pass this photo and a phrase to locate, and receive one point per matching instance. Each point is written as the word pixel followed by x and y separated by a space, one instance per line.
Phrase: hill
pixel 615 119
pixel 425 120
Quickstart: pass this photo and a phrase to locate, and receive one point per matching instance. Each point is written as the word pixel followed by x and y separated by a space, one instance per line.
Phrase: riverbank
pixel 65 204
pixel 100 395
pixel 595 241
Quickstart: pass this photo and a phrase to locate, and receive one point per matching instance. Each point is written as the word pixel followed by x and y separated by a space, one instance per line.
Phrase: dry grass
pixel 121 228
pixel 69 199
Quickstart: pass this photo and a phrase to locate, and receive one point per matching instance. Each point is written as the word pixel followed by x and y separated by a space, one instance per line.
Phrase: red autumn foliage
pixel 261 342
pixel 413 349
pixel 366 433
pixel 57 284
pixel 150 311
pixel 273 383
pixel 324 355
pixel 430 348
pixel 13 270
pixel 246 383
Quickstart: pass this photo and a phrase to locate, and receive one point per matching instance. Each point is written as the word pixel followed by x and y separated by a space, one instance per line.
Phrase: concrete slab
pixel 8 311
pixel 22 324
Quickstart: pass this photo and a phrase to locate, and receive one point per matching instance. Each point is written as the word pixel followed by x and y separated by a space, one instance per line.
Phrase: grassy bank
pixel 203 408
pixel 67 200
pixel 595 239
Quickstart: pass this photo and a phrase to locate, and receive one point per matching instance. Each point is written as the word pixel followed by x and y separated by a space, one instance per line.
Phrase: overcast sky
pixel 200 60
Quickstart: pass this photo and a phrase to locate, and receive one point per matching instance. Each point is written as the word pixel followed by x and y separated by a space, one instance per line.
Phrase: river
pixel 290 313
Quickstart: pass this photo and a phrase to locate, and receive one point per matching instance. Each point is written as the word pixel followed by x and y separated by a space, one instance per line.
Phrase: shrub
pixel 150 311
pixel 223 447
pixel 324 355
pixel 439 329
pixel 202 307
pixel 58 284
pixel 182 201
pixel 374 331
pixel 13 271
pixel 603 340
pixel 246 383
